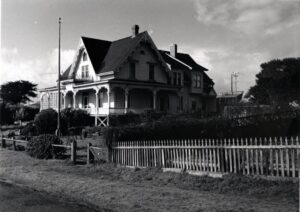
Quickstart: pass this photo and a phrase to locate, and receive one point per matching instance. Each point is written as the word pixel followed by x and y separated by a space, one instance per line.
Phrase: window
pixel 194 105
pixel 177 78
pixel 85 72
pixel 132 70
pixel 151 71
pixel 196 80
pixel 84 57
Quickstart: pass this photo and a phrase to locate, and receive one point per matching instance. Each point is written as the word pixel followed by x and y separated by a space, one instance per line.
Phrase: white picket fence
pixel 250 156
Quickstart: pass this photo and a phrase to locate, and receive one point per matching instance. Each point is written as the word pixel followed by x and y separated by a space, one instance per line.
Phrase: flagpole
pixel 58 83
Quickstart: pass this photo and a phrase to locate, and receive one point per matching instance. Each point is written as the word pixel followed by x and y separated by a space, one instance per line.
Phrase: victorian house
pixel 131 75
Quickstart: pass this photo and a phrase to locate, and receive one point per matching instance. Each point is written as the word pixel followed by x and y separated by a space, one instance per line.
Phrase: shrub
pixel 182 127
pixel 46 121
pixel 41 146
pixel 26 113
pixel 29 130
pixel 6 114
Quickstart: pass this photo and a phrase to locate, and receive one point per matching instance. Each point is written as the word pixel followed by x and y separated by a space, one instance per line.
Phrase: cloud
pixel 41 70
pixel 263 17
pixel 221 62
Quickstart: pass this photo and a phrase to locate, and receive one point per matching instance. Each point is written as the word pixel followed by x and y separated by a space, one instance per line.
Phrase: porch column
pixel 96 106
pixel 108 97
pixel 126 99
pixel 154 99
pixel 74 99
pixel 65 98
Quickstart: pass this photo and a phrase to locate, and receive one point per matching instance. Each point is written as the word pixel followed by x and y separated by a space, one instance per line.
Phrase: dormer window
pixel 84 56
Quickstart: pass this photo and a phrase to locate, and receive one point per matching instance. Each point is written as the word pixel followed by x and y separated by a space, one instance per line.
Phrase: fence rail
pixel 255 156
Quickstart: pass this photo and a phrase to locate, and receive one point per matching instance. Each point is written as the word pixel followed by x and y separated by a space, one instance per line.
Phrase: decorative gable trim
pixel 147 39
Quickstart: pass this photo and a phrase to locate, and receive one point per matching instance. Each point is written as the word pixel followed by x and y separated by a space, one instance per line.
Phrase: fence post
pixel 14 144
pixel 88 156
pixel 3 143
pixel 73 151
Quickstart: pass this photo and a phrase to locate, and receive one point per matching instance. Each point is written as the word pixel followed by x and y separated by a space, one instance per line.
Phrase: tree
pixel 18 92
pixel 278 83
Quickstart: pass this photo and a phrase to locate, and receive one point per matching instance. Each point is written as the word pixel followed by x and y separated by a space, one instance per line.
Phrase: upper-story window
pixel 132 70
pixel 177 78
pixel 84 56
pixel 151 71
pixel 197 80
pixel 85 71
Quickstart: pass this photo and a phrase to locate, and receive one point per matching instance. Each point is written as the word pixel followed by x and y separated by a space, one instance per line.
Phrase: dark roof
pixel 97 50
pixel 187 59
pixel 172 62
pixel 117 52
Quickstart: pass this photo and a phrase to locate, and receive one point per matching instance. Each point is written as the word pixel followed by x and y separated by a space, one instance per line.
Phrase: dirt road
pixel 20 199
pixel 131 190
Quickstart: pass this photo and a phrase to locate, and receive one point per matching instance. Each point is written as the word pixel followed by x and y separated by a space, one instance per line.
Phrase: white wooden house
pixel 131 75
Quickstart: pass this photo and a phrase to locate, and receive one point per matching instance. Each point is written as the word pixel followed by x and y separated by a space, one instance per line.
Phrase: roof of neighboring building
pixel 230 95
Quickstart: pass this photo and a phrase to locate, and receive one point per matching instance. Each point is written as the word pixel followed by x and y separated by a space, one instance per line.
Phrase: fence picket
pixel 293 158
pixel 281 158
pixel 287 158
pixel 271 157
pixel 261 158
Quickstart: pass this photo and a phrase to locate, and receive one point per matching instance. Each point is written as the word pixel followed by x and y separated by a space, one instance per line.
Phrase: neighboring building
pixel 131 75
pixel 228 100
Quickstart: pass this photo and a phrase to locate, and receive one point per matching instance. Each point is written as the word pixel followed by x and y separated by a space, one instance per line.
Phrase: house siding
pixel 142 66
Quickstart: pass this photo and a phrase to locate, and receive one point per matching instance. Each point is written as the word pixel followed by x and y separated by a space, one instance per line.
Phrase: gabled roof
pixel 97 50
pixel 109 55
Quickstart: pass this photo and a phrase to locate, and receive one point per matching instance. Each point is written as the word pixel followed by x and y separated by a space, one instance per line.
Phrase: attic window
pixel 84 57
pixel 142 52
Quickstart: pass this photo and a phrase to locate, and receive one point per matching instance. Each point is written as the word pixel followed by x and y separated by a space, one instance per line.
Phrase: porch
pixel 119 99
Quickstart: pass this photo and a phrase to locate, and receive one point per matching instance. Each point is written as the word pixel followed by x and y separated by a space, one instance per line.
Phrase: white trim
pixel 105 73
pixel 180 61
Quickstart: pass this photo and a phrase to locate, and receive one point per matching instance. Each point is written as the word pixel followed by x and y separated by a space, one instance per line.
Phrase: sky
pixel 224 36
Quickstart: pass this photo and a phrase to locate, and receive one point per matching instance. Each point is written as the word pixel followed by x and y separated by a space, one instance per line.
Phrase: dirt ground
pixel 112 188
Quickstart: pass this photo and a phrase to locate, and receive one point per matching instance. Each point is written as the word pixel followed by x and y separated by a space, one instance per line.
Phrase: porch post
pixel 96 106
pixel 126 99
pixel 154 99
pixel 65 98
pixel 108 97
pixel 74 99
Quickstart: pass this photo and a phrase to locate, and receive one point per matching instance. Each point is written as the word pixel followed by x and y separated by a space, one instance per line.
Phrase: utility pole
pixel 58 83
pixel 234 75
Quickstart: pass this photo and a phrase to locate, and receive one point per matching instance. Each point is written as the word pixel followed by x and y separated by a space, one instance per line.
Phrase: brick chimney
pixel 135 30
pixel 173 50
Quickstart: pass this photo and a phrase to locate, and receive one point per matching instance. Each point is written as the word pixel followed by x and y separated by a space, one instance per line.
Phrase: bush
pixel 41 146
pixel 26 113
pixel 29 130
pixel 181 127
pixel 74 120
pixel 46 121
pixel 6 114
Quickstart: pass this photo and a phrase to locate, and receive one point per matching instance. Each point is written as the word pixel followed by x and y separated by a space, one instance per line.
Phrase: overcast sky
pixel 224 36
